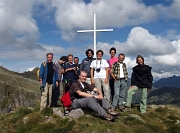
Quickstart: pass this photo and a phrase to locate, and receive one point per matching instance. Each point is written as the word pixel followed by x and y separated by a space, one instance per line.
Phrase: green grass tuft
pixel 47 111
pixel 161 110
pixel 174 129
pixel 173 117
pixel 131 120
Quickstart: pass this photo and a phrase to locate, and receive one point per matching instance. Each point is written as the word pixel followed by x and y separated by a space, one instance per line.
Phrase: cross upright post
pixel 95 33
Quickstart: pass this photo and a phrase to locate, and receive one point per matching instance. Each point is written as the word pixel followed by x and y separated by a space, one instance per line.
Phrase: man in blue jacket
pixel 48 80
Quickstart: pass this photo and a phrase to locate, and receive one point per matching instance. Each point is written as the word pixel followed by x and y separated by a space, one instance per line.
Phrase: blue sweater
pixel 43 74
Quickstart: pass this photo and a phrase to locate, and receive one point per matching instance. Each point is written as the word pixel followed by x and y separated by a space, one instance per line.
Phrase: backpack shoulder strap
pixel 44 64
pixel 66 65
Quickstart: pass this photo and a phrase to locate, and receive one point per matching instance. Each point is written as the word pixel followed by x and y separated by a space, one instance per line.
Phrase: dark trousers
pixel 55 96
pixel 111 84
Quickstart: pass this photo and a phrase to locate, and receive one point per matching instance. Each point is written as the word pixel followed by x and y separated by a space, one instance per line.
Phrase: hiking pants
pixel 143 103
pixel 92 103
pixel 46 96
pixel 99 83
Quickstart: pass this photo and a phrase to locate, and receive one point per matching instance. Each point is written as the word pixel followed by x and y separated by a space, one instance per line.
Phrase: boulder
pixel 76 113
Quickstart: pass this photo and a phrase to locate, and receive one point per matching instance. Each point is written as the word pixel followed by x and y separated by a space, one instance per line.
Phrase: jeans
pixel 143 103
pixel 119 92
pixel 61 88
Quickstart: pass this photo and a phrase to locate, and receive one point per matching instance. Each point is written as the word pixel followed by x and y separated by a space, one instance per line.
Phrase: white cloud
pixel 31 68
pixel 140 41
pixel 171 11
pixel 161 54
pixel 76 14
pixel 19 29
pixel 16 20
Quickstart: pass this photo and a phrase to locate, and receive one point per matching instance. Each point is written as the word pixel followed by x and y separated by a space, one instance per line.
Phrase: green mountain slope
pixel 16 90
pixel 165 95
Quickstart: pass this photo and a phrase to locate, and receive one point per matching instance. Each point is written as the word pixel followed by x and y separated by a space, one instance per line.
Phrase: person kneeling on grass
pixel 82 99
pixel 141 79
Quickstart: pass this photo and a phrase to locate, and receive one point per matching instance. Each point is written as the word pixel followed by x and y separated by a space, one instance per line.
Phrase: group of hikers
pixel 96 83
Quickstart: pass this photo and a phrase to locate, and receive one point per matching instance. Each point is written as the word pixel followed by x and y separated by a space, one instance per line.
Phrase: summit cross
pixel 95 30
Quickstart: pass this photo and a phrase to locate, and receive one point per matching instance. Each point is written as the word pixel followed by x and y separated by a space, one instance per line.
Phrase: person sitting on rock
pixel 81 98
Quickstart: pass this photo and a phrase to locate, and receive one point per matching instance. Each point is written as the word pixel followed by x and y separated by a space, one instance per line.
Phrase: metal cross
pixel 95 32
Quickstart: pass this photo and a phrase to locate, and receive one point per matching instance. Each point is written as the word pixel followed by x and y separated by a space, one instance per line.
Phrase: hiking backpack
pixel 38 71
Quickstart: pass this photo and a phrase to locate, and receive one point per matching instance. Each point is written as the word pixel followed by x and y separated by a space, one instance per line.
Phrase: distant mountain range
pixel 173 81
pixel 165 95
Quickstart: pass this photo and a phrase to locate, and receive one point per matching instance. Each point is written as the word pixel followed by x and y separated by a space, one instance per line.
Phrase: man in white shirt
pixel 99 74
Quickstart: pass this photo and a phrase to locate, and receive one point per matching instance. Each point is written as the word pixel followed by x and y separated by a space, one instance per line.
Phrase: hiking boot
pixel 121 109
pixel 126 109
pixel 112 111
pixel 143 113
pixel 109 117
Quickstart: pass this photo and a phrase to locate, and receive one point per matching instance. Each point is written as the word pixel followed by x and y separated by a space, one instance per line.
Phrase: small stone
pixel 161 106
pixel 108 131
pixel 88 116
pixel 157 106
pixel 177 121
pixel 153 106
pixel 25 119
pixel 49 119
pixel 58 112
pixel 135 116
pixel 30 108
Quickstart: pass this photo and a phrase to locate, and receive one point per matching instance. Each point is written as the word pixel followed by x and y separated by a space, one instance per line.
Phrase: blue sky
pixel 30 29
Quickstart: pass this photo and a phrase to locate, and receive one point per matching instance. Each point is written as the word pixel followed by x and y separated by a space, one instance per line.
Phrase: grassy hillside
pixel 24 120
pixel 29 74
pixel 165 95
pixel 16 90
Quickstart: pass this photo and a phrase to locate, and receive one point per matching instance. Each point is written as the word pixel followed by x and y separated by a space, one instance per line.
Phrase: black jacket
pixel 142 77
pixel 85 66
